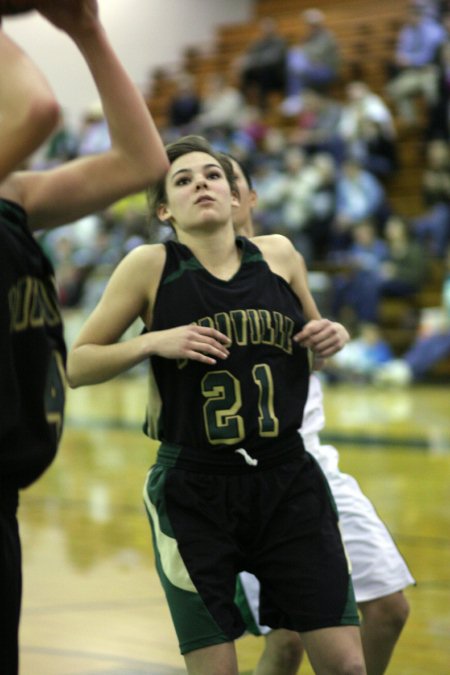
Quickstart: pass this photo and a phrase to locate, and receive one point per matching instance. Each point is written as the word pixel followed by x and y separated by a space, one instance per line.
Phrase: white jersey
pixel 313 423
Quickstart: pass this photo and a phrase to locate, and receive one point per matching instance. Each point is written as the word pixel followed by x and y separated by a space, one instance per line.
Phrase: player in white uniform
pixel 378 570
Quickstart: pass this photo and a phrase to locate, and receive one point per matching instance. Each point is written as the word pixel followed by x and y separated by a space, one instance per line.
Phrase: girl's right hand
pixel 193 342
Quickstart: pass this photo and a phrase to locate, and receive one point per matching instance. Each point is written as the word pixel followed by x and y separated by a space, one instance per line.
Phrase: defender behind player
pixel 378 570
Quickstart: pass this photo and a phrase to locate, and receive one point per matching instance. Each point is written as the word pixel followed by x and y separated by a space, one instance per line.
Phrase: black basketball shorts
pixel 277 522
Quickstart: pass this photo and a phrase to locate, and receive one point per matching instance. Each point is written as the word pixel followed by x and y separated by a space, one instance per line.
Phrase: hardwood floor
pixel 92 602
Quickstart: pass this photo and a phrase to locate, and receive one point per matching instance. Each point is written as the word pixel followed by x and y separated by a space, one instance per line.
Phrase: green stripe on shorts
pixel 194 625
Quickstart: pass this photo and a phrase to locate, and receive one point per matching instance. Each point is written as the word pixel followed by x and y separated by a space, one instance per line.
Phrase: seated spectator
pixel 271 149
pixel 404 272
pixel 285 199
pixel 94 135
pixel 250 133
pixel 262 67
pixel 428 349
pixel 375 150
pixel 297 199
pixel 416 363
pixel 359 195
pixel 368 130
pixel 221 105
pixel 184 106
pixel 318 125
pixel 439 110
pixel 314 61
pixel 322 211
pixel 394 267
pixel 363 104
pixel 354 294
pixel 361 358
pixel 414 69
pixel 433 226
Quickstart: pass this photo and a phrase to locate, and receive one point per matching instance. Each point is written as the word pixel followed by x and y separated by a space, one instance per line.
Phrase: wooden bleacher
pixel 367 32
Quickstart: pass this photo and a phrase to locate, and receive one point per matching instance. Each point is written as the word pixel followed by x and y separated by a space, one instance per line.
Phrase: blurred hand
pixel 11 7
pixel 69 15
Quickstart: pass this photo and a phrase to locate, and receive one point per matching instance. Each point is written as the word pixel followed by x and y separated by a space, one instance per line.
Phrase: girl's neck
pixel 217 253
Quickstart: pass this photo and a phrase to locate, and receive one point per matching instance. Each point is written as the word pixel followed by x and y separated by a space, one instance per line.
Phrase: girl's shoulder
pixel 144 262
pixel 280 254
pixel 274 244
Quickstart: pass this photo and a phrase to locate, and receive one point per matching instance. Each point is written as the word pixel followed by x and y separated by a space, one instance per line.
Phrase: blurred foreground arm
pixel 28 109
pixel 136 157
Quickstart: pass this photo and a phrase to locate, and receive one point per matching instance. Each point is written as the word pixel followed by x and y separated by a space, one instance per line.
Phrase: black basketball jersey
pixel 33 354
pixel 256 396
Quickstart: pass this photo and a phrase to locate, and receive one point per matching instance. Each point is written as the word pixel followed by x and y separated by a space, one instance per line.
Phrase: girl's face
pixel 197 193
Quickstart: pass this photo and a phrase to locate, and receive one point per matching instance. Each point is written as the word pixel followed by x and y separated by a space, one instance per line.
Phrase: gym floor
pixel 92 601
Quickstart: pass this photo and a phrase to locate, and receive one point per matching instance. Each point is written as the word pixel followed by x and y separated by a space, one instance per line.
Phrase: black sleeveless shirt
pixel 33 354
pixel 254 399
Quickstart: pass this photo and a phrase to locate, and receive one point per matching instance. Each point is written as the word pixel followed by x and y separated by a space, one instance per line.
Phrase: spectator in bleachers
pixel 363 104
pixel 433 8
pixel 318 125
pixel 414 66
pixel 184 106
pixel 221 105
pixel 285 199
pixel 430 347
pixel 439 111
pixel 374 150
pixel 323 205
pixel 353 288
pixel 250 133
pixel 433 226
pixel 359 195
pixel 368 130
pixel 270 150
pixel 403 274
pixel 361 358
pixel 94 134
pixel 314 61
pixel 262 67
pixel 393 267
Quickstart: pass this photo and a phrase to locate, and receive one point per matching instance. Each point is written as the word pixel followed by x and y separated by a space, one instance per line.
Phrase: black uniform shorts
pixel 278 521
pixel 10 579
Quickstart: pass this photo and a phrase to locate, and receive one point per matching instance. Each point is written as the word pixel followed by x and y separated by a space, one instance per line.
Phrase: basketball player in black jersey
pixel 229 322
pixel 32 381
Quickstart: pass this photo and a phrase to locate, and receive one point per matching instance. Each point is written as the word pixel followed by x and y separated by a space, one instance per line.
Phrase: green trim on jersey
pixel 193 265
pixel 249 257
pixel 185 266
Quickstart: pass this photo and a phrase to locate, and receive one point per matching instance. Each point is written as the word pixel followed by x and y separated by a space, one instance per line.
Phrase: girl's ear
pixel 164 212
pixel 253 199
pixel 235 198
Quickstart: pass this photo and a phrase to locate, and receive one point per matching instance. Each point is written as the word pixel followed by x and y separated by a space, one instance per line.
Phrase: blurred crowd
pixel 322 175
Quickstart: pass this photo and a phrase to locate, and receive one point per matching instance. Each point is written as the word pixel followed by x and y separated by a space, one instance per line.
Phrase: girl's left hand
pixel 323 337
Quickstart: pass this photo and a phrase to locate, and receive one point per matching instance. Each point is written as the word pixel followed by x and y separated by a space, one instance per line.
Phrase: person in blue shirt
pixel 417 46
